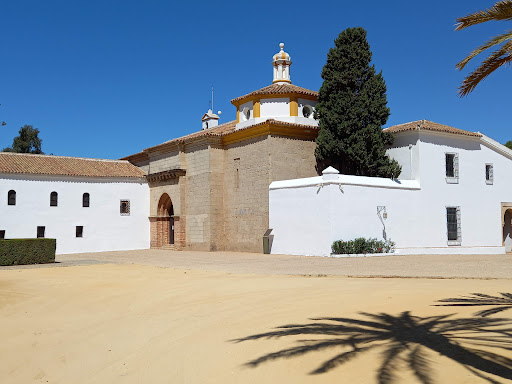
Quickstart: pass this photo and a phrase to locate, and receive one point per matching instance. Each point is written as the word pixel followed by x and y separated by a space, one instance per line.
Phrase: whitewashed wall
pixel 277 107
pixel 104 227
pixel 306 218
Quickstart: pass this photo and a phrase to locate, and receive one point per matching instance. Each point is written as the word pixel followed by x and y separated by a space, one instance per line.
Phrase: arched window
pixel 85 200
pixel 11 197
pixel 53 199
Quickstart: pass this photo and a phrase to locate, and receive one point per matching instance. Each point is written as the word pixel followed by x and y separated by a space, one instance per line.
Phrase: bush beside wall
pixel 27 251
pixel 361 246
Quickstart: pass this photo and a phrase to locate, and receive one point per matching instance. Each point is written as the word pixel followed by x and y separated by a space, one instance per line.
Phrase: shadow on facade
pixel 401 339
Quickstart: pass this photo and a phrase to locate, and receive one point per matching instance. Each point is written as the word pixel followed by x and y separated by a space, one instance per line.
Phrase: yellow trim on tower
pixel 237 115
pixel 270 129
pixel 294 106
pixel 256 108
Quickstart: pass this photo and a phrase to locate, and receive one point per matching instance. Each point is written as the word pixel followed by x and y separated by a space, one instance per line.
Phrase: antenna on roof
pixel 212 97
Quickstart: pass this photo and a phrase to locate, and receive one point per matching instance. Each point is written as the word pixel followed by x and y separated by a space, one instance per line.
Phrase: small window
pixel 489 174
pixel 79 231
pixel 124 207
pixel 11 197
pixel 237 173
pixel 53 199
pixel 453 225
pixel 85 200
pixel 452 168
pixel 246 113
pixel 307 111
pixel 2 234
pixel 40 232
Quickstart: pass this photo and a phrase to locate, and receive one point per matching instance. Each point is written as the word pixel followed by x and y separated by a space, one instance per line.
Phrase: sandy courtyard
pixel 144 324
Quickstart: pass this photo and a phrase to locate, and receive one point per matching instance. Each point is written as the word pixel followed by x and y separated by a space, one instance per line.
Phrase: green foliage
pixel 502 55
pixel 352 109
pixel 361 246
pixel 508 144
pixel 27 251
pixel 28 141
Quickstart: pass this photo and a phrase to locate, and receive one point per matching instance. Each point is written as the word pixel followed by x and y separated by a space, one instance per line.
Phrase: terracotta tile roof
pixel 219 131
pixel 279 89
pixel 281 123
pixel 21 163
pixel 429 126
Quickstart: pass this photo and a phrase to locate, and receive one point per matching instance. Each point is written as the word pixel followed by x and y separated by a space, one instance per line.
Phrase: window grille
pixel 453 225
pixel 85 200
pixel 11 197
pixel 452 168
pixel 53 199
pixel 124 207
pixel 489 174
pixel 40 232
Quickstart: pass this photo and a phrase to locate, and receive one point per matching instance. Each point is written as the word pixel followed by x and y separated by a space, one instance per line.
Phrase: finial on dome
pixel 281 62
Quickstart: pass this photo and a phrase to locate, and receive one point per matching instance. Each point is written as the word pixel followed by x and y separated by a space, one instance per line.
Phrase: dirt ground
pixel 122 323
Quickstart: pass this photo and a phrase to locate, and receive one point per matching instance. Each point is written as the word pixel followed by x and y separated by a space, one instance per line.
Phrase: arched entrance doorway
pixel 165 223
pixel 507 230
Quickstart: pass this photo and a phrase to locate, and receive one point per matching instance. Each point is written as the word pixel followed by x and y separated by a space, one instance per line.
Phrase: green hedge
pixel 362 246
pixel 27 251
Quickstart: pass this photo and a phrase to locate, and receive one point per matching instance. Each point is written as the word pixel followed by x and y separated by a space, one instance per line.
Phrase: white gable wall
pixel 105 229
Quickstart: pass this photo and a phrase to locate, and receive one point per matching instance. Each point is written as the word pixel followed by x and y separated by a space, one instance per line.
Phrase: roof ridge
pixel 409 122
pixel 62 157
pixel 277 87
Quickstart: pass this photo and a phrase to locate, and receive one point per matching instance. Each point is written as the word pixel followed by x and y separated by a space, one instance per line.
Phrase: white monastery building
pixel 88 205
pixel 454 195
pixel 223 186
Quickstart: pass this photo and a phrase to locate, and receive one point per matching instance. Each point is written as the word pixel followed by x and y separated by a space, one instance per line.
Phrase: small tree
pixel 352 109
pixel 27 141
pixel 508 144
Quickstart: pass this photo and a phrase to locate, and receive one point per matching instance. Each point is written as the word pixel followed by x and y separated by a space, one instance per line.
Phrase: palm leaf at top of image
pixel 501 11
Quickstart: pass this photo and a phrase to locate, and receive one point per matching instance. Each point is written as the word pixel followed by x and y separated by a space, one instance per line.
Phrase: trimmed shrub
pixel 361 246
pixel 27 251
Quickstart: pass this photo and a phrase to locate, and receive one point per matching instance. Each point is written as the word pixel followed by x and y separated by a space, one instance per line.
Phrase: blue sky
pixel 109 78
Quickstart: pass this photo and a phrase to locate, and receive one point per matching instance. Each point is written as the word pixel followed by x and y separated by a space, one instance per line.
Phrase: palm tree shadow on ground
pixel 403 339
pixel 497 303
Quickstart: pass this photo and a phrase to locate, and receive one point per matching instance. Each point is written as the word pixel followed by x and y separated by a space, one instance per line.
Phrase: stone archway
pixel 506 224
pixel 166 223
pixel 166 229
pixel 507 230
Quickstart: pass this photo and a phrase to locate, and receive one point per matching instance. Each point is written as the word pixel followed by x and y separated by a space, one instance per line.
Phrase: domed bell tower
pixel 281 63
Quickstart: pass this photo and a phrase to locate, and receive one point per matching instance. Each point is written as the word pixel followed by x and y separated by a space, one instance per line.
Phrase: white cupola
pixel 281 63
pixel 210 120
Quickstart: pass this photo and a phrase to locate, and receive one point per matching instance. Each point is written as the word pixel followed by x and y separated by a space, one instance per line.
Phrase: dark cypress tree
pixel 352 109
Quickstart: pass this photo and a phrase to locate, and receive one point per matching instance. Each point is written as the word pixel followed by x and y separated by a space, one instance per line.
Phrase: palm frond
pixel 502 10
pixel 494 61
pixel 491 43
pixel 419 365
pixel 386 374
pixel 339 359
pixel 480 299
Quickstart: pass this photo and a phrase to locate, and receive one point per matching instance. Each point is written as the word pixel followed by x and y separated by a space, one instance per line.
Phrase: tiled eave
pixel 426 125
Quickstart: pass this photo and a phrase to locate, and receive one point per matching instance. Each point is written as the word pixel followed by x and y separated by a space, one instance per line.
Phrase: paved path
pixel 442 266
